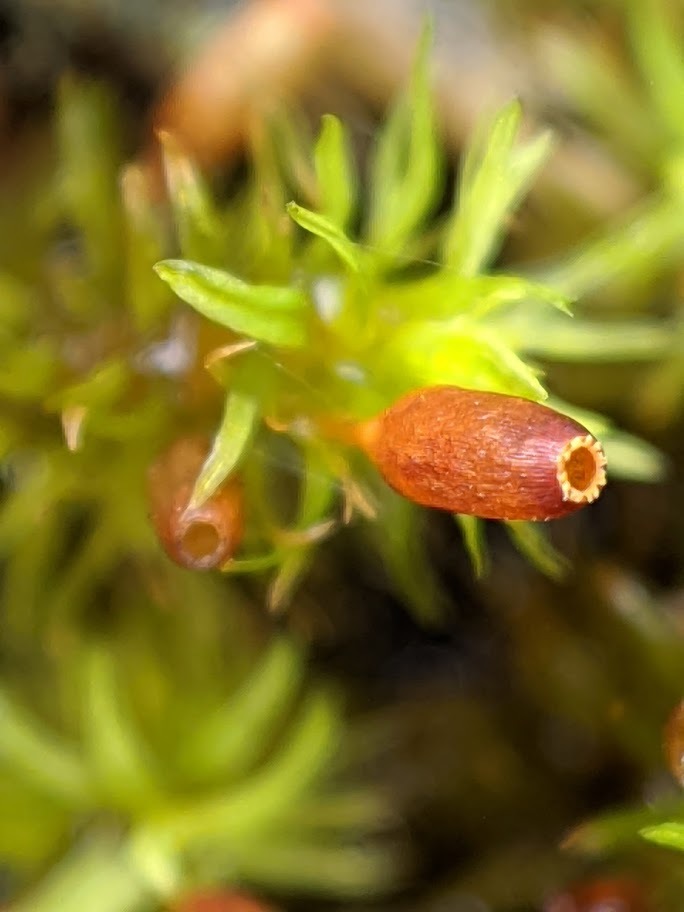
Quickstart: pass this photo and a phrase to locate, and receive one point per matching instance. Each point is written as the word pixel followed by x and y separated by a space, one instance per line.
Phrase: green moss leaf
pixel 229 446
pixel 87 180
pixel 446 294
pixel 228 742
pixel 198 225
pixel 406 174
pixel 532 542
pixel 117 756
pixel 629 253
pixel 496 174
pixel 670 835
pixel 334 171
pixel 40 758
pixel 460 352
pixel 472 529
pixel 239 812
pixel 324 228
pixel 585 340
pixel 266 313
pixel 658 50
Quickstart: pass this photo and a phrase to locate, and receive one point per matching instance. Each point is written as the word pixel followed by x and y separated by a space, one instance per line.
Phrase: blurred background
pixel 403 735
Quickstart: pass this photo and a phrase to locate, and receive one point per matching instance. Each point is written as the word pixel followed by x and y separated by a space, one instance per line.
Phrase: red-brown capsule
pixel 484 454
pixel 202 537
pixel 612 894
pixel 674 742
pixel 221 901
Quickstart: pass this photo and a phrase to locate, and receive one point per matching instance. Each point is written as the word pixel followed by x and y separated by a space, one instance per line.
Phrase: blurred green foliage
pixel 154 736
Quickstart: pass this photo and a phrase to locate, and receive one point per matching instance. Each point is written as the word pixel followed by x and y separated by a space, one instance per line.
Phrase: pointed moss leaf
pixel 532 542
pixel 461 353
pixel 241 811
pixel 586 340
pixel 400 538
pixel 633 459
pixel 99 391
pixel 648 240
pixel 618 829
pixel 228 742
pixel 472 530
pixel 320 869
pixel 40 758
pixel 335 173
pixel 446 294
pixel 88 177
pixel 495 177
pixel 670 835
pixel 316 496
pixel 658 50
pixel 230 444
pixel 271 314
pixel 197 221
pixel 497 291
pixel 407 168
pixel 255 564
pixel 598 84
pixel 291 569
pixel 145 234
pixel 322 227
pixel 117 756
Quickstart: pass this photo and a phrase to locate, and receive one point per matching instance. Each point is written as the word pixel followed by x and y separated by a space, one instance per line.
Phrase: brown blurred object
pixel 271 51
pixel 199 537
pixel 221 901
pixel 674 743
pixel 346 57
pixel 260 56
pixel 607 895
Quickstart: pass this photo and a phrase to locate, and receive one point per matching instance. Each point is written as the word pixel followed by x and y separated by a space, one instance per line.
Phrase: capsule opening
pixel 581 473
pixel 201 543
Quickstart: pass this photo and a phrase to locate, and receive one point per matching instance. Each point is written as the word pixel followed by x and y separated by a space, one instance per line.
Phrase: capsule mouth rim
pixel 591 491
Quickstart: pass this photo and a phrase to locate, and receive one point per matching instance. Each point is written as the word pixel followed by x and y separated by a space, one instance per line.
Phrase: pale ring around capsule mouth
pixel 580 469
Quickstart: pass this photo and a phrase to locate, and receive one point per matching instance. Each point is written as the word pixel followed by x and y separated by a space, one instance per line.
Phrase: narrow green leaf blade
pixel 335 173
pixel 472 530
pixel 495 177
pixel 532 542
pixel 658 50
pixel 229 741
pixel 117 756
pixel 582 340
pixel 41 758
pixel 230 443
pixel 271 314
pixel 324 228
pixel 670 835
pixel 407 170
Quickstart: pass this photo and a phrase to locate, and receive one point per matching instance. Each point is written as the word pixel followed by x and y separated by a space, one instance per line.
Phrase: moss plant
pixel 150 737
pixel 356 323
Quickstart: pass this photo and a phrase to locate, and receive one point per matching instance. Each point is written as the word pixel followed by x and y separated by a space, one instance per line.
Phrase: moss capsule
pixel 202 537
pixel 674 742
pixel 221 901
pixel 484 454
pixel 612 894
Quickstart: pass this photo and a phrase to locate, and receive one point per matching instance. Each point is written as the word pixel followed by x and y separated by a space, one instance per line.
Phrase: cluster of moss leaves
pixel 352 324
pixel 172 748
